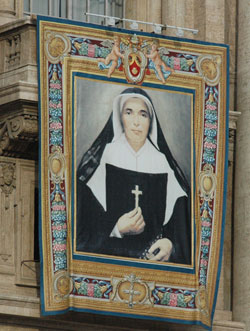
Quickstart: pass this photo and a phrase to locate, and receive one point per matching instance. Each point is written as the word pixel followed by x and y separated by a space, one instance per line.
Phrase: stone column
pixel 178 13
pixel 241 290
pixel 10 10
pixel 146 11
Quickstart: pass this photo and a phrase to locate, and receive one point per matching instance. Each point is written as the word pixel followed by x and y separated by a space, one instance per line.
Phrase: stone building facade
pixel 222 21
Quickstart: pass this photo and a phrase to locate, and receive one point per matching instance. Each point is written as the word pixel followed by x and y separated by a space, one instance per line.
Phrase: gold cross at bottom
pixel 132 292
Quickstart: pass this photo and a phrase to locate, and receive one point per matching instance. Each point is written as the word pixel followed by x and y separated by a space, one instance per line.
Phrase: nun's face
pixel 136 122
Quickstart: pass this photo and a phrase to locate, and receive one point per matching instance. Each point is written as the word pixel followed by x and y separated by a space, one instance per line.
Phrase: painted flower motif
pixel 58 222
pixel 62 234
pixel 181 301
pixel 204 256
pixel 55 95
pixel 91 50
pixel 208 158
pixel 205 223
pixel 165 298
pixel 59 241
pixel 55 112
pixel 184 65
pixel 58 207
pixel 205 232
pixel 210 132
pixel 52 105
pixel 91 290
pixel 56 227
pixel 59 227
pixel 59 247
pixel 209 152
pixel 211 115
pixel 56 138
pixel 204 262
pixel 99 52
pixel 60 261
pixel 177 63
pixel 58 215
pixel 210 140
pixel 204 249
pixel 83 288
pixel 211 125
pixel 59 105
pixel 56 86
pixel 202 280
pixel 211 107
pixel 210 145
pixel 173 300
pixel 55 126
pixel 203 272
pixel 97 291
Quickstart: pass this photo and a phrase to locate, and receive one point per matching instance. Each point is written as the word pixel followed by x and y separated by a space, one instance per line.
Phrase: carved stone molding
pixel 26 232
pixel 19 136
pixel 233 118
pixel 7 181
pixel 7 177
pixel 12 55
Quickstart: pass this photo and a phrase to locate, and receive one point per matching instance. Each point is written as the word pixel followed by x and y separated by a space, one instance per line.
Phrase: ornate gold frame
pixel 208 189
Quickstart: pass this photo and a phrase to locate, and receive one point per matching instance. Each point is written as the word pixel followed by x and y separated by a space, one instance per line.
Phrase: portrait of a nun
pixel 132 197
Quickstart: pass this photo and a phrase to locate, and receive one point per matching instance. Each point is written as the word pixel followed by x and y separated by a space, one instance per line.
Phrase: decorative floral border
pixel 206 66
pixel 178 61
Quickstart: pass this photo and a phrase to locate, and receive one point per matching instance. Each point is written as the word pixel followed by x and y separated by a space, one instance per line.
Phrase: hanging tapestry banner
pixel 133 170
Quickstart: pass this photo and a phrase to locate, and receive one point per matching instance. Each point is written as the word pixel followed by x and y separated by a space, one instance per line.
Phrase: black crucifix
pixel 136 192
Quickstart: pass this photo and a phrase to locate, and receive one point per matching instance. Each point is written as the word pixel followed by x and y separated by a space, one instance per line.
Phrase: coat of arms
pixel 135 61
pixel 135 57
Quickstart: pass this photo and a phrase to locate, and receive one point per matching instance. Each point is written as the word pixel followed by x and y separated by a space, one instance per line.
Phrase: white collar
pixel 132 151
